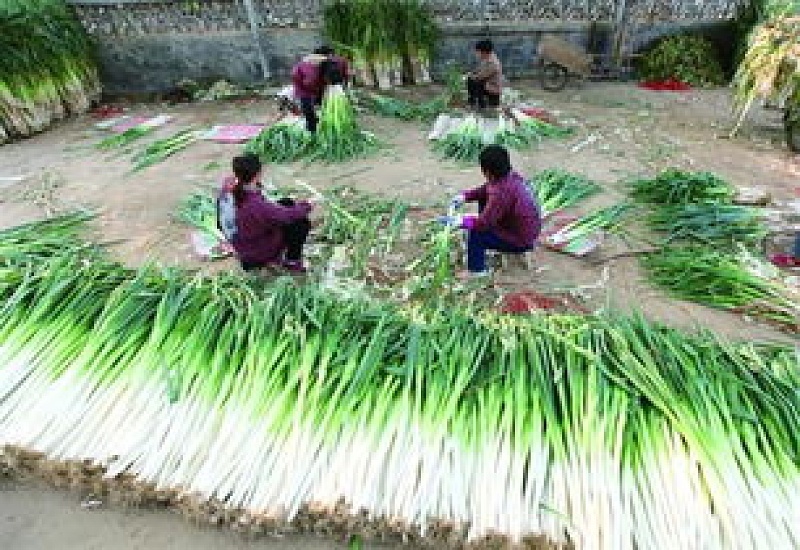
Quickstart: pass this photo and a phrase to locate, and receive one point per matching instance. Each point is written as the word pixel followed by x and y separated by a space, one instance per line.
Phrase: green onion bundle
pixel 576 234
pixel 199 210
pixel 47 66
pixel 709 223
pixel 464 144
pixel 405 110
pixel 338 137
pixel 678 187
pixel 161 149
pixel 705 276
pixel 285 141
pixel 597 432
pixel 558 189
pixel 534 130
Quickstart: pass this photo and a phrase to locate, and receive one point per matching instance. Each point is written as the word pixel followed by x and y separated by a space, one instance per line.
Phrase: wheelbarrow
pixel 559 60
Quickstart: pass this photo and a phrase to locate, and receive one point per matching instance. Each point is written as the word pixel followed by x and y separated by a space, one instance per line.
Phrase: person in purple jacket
pixel 509 218
pixel 263 233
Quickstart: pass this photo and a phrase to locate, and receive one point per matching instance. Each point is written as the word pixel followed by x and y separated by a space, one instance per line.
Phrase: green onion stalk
pixel 269 399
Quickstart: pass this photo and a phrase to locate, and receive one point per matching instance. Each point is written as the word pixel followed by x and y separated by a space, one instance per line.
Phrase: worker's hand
pixel 449 221
pixel 457 202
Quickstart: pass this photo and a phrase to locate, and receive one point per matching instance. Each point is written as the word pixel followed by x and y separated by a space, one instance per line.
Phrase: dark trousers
pixel 478 242
pixel 308 106
pixel 294 235
pixel 477 96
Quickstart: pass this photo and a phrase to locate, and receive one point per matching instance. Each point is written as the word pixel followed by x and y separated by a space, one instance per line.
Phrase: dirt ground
pixel 622 131
pixel 35 517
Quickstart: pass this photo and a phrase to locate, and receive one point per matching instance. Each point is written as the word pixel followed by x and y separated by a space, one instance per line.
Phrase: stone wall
pixel 149 45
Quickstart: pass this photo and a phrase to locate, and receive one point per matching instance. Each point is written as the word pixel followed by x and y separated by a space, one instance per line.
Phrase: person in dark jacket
pixel 263 233
pixel 509 218
pixel 485 84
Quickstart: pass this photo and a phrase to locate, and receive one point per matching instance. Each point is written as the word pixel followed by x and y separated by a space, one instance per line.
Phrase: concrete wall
pixel 155 62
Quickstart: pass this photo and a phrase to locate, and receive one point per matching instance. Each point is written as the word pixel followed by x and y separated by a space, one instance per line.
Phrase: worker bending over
pixel 485 84
pixel 509 218
pixel 263 233
pixel 312 75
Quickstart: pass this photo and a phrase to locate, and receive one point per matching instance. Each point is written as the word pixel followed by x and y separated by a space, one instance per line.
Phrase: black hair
pixel 484 46
pixel 495 161
pixel 324 50
pixel 245 167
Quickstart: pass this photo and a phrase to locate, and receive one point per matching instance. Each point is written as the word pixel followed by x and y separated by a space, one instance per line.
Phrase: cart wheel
pixel 554 77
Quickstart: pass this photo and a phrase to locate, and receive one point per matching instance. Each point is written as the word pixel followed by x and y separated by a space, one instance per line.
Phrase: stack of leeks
pixel 47 68
pixel 278 400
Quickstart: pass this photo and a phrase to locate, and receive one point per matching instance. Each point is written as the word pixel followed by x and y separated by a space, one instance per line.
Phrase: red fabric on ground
pixel 541 114
pixel 669 85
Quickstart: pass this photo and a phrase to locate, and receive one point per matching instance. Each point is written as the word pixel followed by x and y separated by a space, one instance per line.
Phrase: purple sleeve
pixel 477 194
pixel 495 208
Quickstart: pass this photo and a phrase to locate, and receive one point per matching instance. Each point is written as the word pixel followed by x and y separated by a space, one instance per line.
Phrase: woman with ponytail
pixel 263 233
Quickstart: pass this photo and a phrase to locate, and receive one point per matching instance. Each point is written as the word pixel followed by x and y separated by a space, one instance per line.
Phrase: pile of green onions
pixel 709 223
pixel 703 275
pixel 47 66
pixel 600 432
pixel 285 141
pixel 679 187
pixel 558 189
